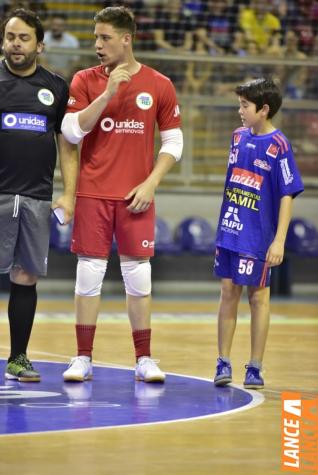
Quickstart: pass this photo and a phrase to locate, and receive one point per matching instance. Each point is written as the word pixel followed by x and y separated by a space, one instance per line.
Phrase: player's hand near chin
pixel 141 196
pixel 116 77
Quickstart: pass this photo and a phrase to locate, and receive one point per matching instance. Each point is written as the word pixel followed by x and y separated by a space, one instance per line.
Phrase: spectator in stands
pixel 173 32
pixel 234 73
pixel 259 23
pixel 238 45
pixel 198 74
pixel 293 78
pixel 287 12
pixel 38 7
pixel 216 26
pixel 195 6
pixel 312 83
pixel 305 25
pixel 10 5
pixel 173 28
pixel 300 16
pixel 58 37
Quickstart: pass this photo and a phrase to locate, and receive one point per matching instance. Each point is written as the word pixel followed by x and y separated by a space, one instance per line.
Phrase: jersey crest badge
pixel 236 139
pixel 46 97
pixel 144 101
pixel 272 150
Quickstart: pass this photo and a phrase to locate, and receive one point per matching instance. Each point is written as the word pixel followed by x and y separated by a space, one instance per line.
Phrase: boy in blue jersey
pixel 261 181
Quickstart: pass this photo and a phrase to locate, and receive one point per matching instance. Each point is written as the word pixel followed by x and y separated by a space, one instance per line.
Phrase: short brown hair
pixel 121 18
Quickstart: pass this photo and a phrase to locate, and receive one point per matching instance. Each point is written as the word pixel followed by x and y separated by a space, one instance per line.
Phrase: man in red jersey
pixel 114 109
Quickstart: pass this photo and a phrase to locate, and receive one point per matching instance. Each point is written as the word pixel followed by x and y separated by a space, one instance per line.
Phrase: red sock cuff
pixel 85 338
pixel 142 342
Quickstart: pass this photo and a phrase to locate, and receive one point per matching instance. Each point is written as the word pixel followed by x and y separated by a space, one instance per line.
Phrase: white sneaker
pixel 148 371
pixel 79 369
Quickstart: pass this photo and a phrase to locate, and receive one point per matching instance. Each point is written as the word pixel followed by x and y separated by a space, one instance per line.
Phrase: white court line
pixel 164 317
pixel 67 357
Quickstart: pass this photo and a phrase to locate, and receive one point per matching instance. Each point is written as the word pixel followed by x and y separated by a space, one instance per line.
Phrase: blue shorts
pixel 241 269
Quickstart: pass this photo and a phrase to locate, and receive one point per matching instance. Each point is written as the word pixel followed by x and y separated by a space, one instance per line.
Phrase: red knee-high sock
pixel 142 342
pixel 85 339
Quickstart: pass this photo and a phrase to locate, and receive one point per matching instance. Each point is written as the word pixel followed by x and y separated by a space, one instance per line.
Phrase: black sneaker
pixel 21 368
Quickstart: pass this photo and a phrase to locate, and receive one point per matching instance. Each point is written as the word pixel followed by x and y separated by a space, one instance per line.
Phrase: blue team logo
pixel 21 121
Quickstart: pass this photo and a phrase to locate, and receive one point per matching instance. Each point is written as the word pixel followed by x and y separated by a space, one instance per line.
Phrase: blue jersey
pixel 261 170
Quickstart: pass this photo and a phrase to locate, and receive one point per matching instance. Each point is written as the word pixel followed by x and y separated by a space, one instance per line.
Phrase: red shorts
pixel 97 221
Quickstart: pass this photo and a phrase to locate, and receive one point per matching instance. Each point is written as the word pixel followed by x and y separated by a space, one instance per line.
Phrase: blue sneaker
pixel 223 373
pixel 253 378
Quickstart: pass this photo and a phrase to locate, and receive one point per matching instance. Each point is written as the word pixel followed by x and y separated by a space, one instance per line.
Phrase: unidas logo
pixel 122 126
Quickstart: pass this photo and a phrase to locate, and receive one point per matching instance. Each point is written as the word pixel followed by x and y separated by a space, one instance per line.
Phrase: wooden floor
pixel 246 443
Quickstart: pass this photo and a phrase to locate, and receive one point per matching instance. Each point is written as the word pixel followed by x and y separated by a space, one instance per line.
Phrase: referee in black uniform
pixel 32 106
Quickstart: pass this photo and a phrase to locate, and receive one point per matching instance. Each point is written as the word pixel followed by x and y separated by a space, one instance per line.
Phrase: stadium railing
pixel 209 117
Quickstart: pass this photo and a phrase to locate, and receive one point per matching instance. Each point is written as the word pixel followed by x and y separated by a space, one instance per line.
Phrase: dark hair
pixel 262 91
pixel 29 17
pixel 121 18
pixel 60 16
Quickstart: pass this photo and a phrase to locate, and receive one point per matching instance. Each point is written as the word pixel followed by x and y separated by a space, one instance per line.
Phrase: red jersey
pixel 118 154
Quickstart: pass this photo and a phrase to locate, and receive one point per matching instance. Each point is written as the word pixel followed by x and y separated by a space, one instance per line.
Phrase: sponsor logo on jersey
pixel 262 164
pixel 233 156
pixel 176 111
pixel 144 101
pixel 46 97
pixel 19 121
pixel 247 178
pixel 272 150
pixel 231 222
pixel 287 175
pixel 122 126
pixel 250 145
pixel 71 101
pixel 242 198
pixel 236 139
pixel 148 244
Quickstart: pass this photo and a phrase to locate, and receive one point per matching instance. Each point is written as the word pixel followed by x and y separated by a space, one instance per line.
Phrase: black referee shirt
pixel 32 109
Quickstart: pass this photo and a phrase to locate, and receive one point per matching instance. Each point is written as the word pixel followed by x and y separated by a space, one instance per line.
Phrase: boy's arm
pixel 275 253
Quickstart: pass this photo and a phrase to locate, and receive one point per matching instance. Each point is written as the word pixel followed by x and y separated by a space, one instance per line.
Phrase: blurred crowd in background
pixel 273 28
pixel 206 47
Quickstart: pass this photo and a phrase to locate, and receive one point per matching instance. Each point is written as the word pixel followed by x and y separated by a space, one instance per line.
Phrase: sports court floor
pixel 114 425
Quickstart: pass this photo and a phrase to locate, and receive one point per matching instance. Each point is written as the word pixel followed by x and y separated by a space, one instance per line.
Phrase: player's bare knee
pixel 230 291
pixel 137 277
pixel 258 296
pixel 90 274
pixel 21 277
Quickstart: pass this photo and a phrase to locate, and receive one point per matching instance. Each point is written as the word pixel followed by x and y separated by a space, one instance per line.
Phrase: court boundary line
pixel 163 317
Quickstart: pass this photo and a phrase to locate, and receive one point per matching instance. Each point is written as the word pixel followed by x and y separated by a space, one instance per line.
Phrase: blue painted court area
pixel 112 398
